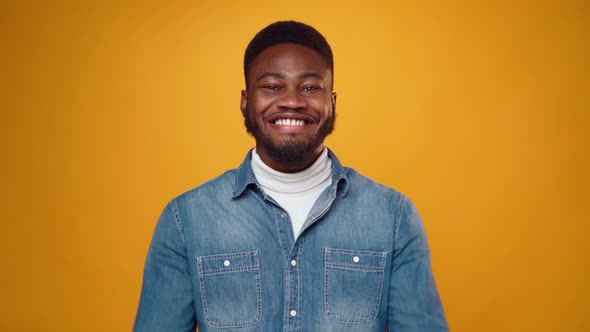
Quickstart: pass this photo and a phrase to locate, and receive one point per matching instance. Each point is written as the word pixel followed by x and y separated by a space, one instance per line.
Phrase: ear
pixel 333 101
pixel 244 102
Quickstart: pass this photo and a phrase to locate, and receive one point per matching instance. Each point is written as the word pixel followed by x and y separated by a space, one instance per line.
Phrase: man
pixel 291 240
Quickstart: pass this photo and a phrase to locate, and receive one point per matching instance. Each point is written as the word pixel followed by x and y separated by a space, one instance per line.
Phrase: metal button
pixel 283 215
pixel 293 262
pixel 293 313
pixel 226 263
pixel 356 259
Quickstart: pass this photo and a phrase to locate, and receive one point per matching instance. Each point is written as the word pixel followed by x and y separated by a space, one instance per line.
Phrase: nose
pixel 291 99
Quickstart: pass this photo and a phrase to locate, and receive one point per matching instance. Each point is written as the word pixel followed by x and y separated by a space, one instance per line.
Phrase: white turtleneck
pixel 295 192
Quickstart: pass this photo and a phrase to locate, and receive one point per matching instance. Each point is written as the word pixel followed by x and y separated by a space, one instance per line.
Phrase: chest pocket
pixel 353 284
pixel 224 278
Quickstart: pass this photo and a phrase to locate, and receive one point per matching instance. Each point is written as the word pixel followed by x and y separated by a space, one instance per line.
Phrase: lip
pixel 291 130
pixel 293 116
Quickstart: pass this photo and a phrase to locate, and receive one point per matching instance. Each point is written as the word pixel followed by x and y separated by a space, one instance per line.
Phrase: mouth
pixel 290 122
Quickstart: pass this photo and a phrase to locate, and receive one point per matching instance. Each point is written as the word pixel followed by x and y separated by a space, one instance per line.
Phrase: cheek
pixel 260 104
pixel 323 105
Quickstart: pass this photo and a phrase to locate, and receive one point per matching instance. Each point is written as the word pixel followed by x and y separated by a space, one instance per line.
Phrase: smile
pixel 289 122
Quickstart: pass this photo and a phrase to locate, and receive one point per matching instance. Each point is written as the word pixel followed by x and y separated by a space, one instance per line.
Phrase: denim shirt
pixel 223 256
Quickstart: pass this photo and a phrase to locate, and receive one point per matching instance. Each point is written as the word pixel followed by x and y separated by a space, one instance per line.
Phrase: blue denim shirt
pixel 223 256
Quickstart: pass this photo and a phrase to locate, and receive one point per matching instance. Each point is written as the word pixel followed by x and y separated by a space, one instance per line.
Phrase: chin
pixel 291 152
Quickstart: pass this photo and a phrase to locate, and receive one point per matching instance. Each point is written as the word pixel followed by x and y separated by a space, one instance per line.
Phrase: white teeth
pixel 289 122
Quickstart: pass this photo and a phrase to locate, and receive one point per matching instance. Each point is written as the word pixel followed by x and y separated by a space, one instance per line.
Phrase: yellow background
pixel 478 110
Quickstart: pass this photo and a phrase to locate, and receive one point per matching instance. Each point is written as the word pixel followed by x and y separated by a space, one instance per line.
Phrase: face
pixel 289 106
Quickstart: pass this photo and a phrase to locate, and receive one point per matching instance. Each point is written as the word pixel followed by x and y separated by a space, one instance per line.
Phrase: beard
pixel 289 151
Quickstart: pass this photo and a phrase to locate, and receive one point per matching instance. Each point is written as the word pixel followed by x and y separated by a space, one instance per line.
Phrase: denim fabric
pixel 223 255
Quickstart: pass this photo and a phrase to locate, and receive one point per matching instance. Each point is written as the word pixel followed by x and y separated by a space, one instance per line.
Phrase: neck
pixel 276 182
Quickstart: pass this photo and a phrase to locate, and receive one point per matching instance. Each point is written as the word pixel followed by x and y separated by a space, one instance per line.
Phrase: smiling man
pixel 291 240
pixel 288 104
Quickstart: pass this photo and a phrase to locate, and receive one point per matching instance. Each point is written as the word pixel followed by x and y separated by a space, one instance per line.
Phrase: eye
pixel 271 87
pixel 310 88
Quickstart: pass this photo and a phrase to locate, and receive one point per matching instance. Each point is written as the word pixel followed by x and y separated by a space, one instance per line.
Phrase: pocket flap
pixel 226 263
pixel 355 259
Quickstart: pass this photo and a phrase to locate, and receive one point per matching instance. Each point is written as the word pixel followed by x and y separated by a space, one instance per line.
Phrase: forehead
pixel 285 58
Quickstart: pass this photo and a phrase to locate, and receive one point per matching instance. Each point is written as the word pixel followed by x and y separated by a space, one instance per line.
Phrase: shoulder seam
pixel 400 212
pixel 177 221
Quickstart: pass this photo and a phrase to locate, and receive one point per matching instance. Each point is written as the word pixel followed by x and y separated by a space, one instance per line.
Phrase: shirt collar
pixel 245 176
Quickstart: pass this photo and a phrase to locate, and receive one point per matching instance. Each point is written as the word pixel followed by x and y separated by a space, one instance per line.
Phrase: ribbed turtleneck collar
pixel 292 183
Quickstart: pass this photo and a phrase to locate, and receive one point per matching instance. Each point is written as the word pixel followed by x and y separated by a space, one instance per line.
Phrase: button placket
pixel 293 263
pixel 293 299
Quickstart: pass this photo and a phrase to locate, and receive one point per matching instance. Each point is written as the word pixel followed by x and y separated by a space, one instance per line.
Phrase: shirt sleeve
pixel 166 302
pixel 414 303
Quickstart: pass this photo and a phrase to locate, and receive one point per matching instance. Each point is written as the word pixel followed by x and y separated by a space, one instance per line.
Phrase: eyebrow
pixel 283 76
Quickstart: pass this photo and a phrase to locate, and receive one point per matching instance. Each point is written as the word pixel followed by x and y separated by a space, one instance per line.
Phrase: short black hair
pixel 287 32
